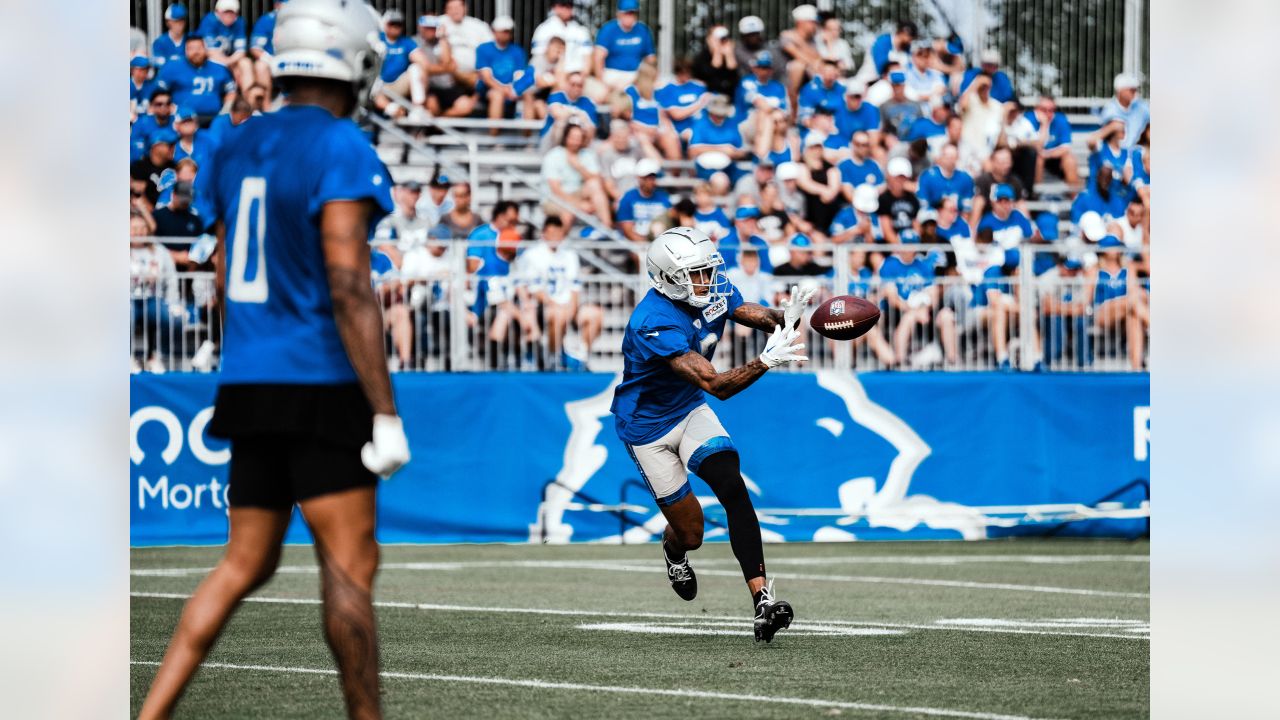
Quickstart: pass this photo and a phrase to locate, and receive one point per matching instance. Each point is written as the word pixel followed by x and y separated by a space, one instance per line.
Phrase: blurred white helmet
pixel 676 256
pixel 330 39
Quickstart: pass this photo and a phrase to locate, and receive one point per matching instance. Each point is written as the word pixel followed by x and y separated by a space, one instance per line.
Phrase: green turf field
pixel 1027 628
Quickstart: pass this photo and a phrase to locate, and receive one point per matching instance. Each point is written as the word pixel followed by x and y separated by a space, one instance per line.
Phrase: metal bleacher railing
pixel 442 322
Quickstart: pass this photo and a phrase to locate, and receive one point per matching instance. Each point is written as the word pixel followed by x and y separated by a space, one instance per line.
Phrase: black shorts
pixel 290 443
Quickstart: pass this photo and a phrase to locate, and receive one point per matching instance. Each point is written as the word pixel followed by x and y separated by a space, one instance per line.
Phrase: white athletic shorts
pixel 663 462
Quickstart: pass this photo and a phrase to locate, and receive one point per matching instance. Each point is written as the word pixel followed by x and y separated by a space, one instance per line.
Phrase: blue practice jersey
pixel 268 184
pixel 199 89
pixel 652 398
pixel 626 50
pixel 217 36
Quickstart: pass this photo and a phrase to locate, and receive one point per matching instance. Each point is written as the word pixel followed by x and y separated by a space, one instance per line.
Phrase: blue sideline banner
pixel 827 456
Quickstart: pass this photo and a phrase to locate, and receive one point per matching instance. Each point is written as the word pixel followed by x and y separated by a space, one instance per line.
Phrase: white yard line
pixel 628 690
pixel 944 625
pixel 651 567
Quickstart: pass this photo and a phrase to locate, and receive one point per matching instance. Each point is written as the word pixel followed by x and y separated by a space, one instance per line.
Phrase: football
pixel 844 317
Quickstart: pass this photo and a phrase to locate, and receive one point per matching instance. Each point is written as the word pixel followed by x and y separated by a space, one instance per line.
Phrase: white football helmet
pixel 673 258
pixel 331 39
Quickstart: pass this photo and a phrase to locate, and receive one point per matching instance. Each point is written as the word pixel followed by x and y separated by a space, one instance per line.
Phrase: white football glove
pixel 388 451
pixel 793 307
pixel 782 348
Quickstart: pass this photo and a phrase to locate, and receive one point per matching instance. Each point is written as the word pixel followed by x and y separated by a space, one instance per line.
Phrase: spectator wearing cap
pixel 572 174
pixel 643 205
pixel 859 168
pixel 854 114
pixel 497 63
pixel 560 23
pixel 800 48
pixel 168 46
pixel 683 98
pixel 197 83
pixel 653 128
pixel 158 158
pixel 857 221
pixel 1049 145
pixel 1118 299
pixel 1001 172
pixel 721 63
pixel 569 105
pixel 618 155
pixel 461 221
pixel 897 115
pixel 190 143
pixel 747 189
pixel 717 131
pixel 1008 226
pixel 800 262
pixel 825 90
pixel 262 46
pixel 998 85
pixel 445 96
pixel 140 86
pixel 227 40
pixel 981 115
pixel 831 43
pixel 403 71
pixel 898 206
pixel 621 45
pixel 1130 108
pixel 925 83
pixel 895 46
pixel 465 35
pixel 945 180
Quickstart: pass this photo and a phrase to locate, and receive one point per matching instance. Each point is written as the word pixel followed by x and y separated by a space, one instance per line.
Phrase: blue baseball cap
pixel 1110 242
pixel 139 61
pixel 801 240
pixel 764 58
pixel 628 5
pixel 1003 192
pixel 897 77
pixel 163 135
pixel 908 236
pixel 746 212
pixel 175 12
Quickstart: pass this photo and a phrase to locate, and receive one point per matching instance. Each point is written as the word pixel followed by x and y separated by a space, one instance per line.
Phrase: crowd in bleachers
pixel 779 143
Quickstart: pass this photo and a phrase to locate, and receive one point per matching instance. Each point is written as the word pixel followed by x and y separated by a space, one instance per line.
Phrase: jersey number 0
pixel 253 192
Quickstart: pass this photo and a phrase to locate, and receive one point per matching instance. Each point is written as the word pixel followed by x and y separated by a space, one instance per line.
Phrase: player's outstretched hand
pixel 782 348
pixel 793 307
pixel 388 451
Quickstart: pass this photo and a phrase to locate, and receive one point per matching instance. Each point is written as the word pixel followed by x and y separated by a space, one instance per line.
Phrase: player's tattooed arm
pixel 344 232
pixel 699 371
pixel 757 316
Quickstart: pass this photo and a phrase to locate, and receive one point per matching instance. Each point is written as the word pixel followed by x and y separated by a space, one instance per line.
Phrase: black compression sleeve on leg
pixel 720 471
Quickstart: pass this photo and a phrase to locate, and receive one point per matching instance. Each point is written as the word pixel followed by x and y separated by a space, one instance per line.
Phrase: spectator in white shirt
pixel 551 274
pixel 465 34
pixel 560 23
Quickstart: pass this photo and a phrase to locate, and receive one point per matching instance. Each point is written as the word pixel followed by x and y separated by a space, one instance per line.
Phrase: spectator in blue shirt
pixel 497 62
pixel 169 45
pixel 824 89
pixel 621 45
pixel 944 180
pixel 683 99
pixel 1001 87
pixel 198 83
pixel 886 47
pixel 227 40
pixel 643 205
pixel 262 46
pixel 140 85
pixel 566 106
pixel 1053 142
pixel 403 72
pixel 854 114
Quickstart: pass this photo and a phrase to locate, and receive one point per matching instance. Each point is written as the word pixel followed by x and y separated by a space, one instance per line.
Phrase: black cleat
pixel 771 615
pixel 683 581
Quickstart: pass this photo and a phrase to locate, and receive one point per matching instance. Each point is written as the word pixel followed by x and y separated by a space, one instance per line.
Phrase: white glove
pixel 793 307
pixel 782 348
pixel 388 451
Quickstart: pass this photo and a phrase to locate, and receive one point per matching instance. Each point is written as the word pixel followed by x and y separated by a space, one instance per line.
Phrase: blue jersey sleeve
pixel 353 172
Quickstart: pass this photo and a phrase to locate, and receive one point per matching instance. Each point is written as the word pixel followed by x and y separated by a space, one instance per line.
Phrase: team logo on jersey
pixel 715 309
pixel 837 308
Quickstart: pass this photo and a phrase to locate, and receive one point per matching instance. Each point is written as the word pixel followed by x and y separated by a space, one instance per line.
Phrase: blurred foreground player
pixel 662 415
pixel 304 394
